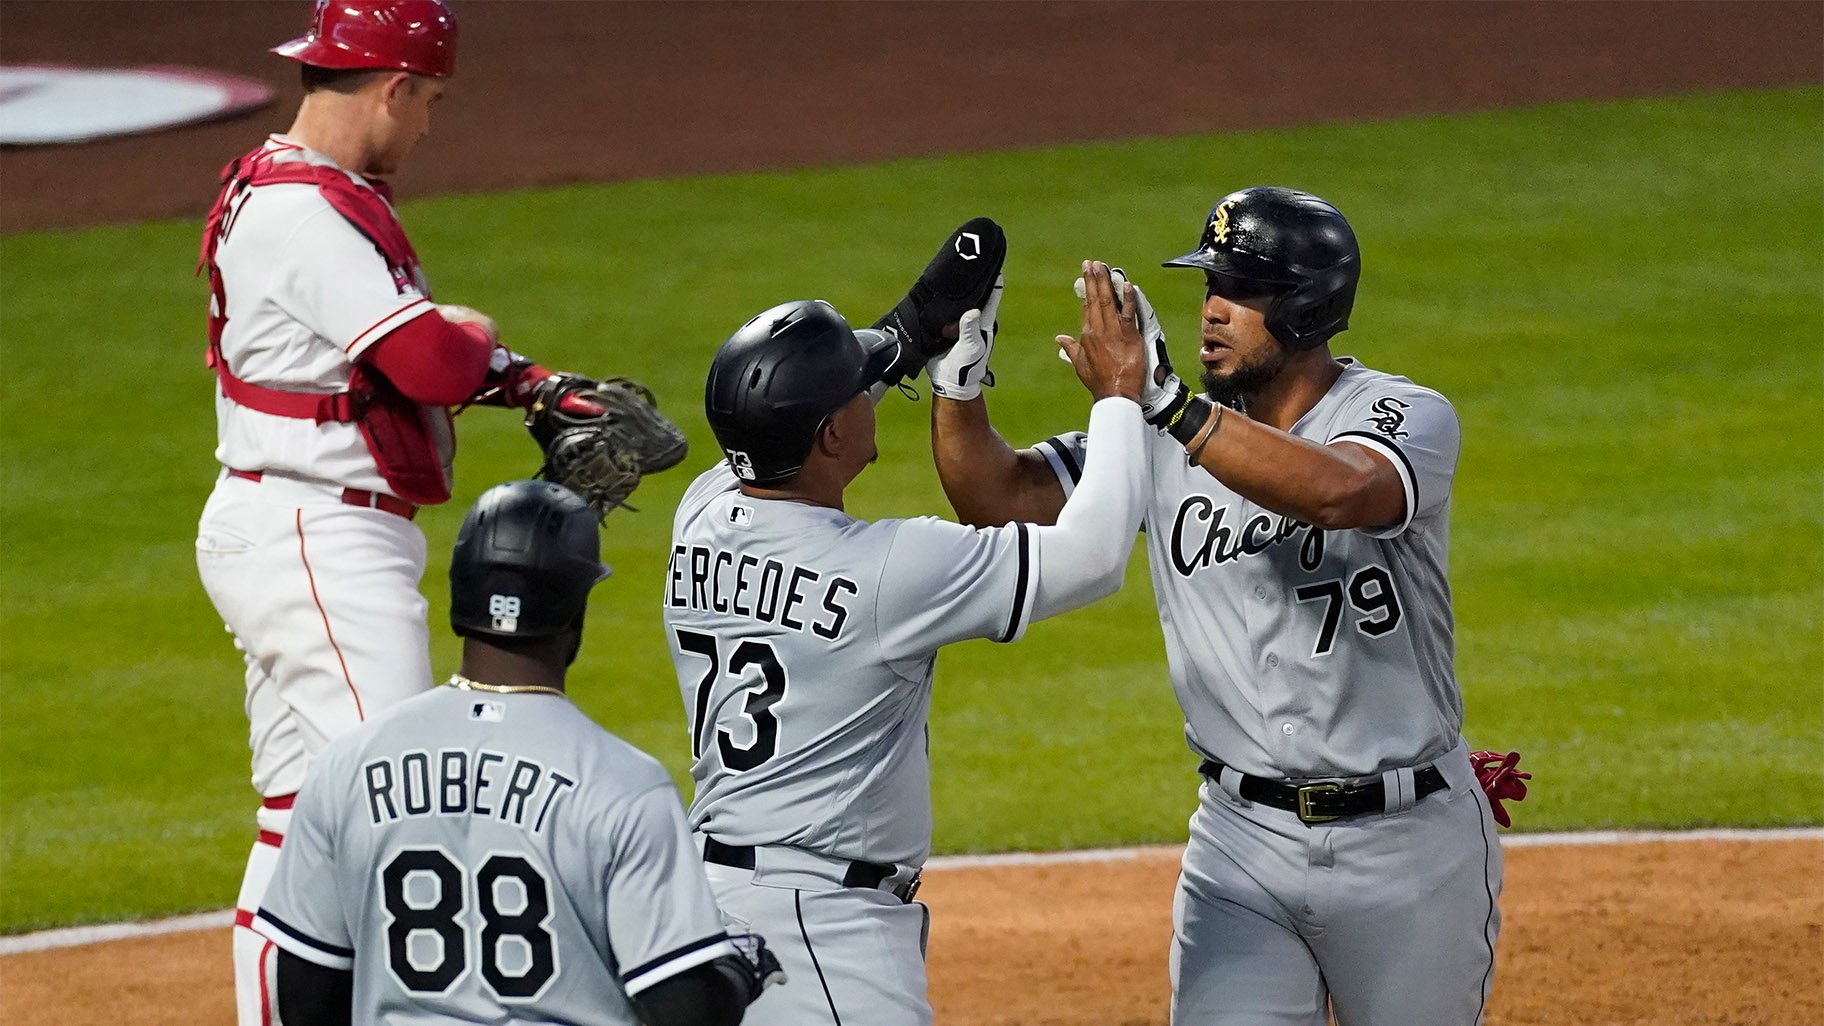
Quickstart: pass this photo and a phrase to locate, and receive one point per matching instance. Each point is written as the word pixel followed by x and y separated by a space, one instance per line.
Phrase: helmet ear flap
pixel 1317 309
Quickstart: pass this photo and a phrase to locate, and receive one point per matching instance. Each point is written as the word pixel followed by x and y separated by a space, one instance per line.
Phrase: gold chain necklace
pixel 457 680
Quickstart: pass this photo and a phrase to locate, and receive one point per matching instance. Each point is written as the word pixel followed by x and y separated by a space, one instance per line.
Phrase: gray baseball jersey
pixel 1297 652
pixel 804 641
pixel 479 857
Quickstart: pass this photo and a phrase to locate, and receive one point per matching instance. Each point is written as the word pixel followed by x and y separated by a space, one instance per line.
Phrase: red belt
pixel 353 496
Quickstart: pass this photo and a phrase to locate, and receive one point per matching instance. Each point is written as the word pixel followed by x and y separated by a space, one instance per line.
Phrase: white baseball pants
pixel 1382 920
pixel 322 599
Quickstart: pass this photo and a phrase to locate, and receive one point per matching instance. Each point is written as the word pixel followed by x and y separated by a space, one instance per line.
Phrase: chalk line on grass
pixel 78 936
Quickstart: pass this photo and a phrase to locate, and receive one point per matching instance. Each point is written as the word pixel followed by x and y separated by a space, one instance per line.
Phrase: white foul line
pixel 78 936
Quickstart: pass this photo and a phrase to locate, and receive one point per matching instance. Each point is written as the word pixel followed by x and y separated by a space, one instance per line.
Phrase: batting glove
pixel 1164 391
pixel 960 372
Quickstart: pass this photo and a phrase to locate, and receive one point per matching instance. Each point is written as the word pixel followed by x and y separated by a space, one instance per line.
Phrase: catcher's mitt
pixel 601 437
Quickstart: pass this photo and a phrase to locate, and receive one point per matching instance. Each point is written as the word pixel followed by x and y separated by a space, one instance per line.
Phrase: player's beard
pixel 1248 377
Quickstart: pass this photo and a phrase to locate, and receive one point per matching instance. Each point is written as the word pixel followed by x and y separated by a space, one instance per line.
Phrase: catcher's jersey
pixel 804 641
pixel 1297 652
pixel 306 293
pixel 488 858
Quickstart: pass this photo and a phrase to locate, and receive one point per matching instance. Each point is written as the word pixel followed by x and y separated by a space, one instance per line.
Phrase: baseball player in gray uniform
pixel 805 642
pixel 1342 859
pixel 484 853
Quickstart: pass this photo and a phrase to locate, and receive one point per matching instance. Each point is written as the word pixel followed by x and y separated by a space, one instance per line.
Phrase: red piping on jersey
pixel 279 801
pixel 383 320
pixel 312 578
pixel 272 838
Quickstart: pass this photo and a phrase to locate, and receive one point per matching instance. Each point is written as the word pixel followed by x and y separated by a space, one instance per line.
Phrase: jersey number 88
pixel 410 915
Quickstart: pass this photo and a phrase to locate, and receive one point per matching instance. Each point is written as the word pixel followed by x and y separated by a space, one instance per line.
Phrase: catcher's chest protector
pixel 413 445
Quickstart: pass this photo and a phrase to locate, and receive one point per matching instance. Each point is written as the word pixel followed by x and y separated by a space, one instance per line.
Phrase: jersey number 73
pixel 751 653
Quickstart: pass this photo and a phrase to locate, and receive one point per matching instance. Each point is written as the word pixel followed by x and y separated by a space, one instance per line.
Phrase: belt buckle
pixel 909 889
pixel 1305 791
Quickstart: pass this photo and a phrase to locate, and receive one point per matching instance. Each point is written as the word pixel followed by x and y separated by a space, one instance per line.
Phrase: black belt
pixel 1320 801
pixel 865 875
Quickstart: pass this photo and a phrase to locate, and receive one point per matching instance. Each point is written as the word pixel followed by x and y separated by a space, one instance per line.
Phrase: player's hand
pixel 962 370
pixel 466 315
pixel 1108 354
pixel 1163 390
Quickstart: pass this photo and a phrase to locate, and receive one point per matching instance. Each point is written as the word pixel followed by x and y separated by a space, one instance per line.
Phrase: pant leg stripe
pixel 798 907
pixel 1488 924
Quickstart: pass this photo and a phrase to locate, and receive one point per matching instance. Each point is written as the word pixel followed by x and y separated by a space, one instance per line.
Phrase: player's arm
pixel 716 994
pixel 1364 478
pixel 944 583
pixel 338 285
pixel 677 960
pixel 988 482
pixel 301 912
pixel 314 995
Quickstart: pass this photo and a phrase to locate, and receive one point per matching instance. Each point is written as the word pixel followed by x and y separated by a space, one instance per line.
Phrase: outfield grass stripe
pixel 75 937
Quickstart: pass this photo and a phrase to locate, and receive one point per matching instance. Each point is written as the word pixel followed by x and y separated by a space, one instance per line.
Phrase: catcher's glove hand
pixel 601 437
pixel 959 278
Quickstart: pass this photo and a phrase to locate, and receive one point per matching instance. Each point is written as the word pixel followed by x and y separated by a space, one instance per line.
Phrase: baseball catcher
pixel 600 437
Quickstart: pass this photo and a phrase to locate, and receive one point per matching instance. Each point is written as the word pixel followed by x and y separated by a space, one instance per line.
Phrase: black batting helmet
pixel 526 557
pixel 777 380
pixel 1288 244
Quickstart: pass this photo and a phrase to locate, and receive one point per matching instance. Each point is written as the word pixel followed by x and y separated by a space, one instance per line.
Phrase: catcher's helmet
pixel 405 35
pixel 526 557
pixel 1271 241
pixel 777 380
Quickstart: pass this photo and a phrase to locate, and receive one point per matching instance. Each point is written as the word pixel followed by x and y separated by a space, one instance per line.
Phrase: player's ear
pixel 397 88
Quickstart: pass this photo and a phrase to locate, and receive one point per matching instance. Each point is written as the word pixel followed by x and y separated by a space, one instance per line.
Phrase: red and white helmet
pixel 408 35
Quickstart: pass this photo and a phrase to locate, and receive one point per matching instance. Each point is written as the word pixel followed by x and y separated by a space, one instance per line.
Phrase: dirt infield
pixel 567 92
pixel 1713 933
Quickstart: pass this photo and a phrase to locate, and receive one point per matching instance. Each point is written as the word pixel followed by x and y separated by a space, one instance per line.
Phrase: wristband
pixel 1196 451
pixel 1172 409
pixel 1190 419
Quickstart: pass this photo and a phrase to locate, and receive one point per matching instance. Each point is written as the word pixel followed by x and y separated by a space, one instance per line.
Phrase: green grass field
pixel 1623 300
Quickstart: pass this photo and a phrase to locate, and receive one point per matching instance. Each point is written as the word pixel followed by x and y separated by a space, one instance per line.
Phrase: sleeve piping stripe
pixel 1400 463
pixel 1021 586
pixel 1056 445
pixel 389 322
pixel 1059 468
pixel 635 979
pixel 304 945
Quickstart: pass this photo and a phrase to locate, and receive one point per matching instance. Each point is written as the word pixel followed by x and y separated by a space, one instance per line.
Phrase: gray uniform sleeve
pixel 1414 428
pixel 1066 453
pixel 943 582
pixel 302 909
pixel 662 917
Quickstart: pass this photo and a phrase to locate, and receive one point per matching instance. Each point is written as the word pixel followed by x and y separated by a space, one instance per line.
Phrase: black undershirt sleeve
pixel 311 995
pixel 704 995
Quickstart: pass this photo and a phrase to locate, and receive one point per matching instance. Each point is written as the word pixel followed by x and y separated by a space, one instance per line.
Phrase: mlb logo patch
pixel 741 516
pixel 487 712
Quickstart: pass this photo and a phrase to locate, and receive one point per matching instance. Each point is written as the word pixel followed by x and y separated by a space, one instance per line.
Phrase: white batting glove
pixel 958 373
pixel 1163 388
